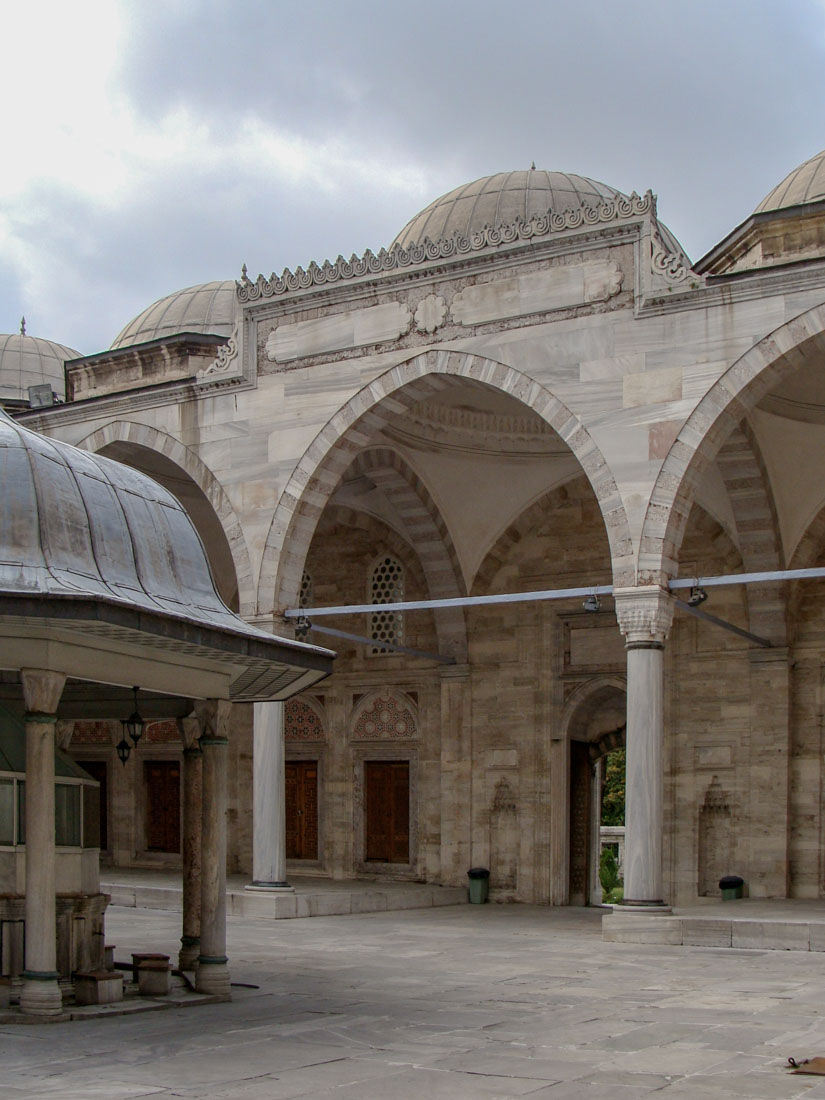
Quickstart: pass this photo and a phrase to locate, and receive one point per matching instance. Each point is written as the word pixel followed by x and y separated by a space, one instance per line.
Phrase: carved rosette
pixel 430 313
pixel 644 614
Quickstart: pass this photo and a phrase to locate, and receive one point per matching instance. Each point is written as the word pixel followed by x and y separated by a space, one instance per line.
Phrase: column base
pixel 40 995
pixel 212 977
pixel 649 908
pixel 189 952
pixel 270 887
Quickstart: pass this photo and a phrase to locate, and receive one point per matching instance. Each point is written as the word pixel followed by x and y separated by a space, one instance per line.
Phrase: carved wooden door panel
pixel 387 811
pixel 162 805
pixel 580 781
pixel 302 809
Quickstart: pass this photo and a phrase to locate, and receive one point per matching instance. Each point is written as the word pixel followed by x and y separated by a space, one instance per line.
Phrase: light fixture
pixel 592 603
pixel 134 724
pixel 123 749
pixel 697 595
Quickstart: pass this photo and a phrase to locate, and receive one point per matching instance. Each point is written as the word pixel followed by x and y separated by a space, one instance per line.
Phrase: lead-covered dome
pixel 31 361
pixel 805 184
pixel 500 199
pixel 207 308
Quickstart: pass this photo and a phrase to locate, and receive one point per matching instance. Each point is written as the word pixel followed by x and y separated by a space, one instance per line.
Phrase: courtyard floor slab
pixel 455 1001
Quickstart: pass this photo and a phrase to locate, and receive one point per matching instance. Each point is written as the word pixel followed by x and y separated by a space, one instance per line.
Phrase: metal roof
pixel 88 543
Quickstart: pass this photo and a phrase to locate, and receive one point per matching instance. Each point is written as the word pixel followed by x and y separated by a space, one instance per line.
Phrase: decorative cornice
pixel 673 267
pixel 427 251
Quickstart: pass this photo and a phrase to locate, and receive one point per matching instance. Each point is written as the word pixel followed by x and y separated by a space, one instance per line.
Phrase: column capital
pixel 644 613
pixel 41 690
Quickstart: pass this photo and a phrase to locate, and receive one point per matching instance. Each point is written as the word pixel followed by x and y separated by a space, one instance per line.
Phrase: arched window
pixel 386 585
pixel 304 601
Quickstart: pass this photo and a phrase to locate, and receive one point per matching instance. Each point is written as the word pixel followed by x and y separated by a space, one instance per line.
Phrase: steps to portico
pixel 748 923
pixel 312 897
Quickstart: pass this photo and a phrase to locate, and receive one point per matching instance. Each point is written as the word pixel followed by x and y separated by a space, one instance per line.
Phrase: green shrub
pixel 608 871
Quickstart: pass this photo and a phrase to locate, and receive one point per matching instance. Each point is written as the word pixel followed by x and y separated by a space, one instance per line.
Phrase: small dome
pixel 208 307
pixel 81 525
pixel 30 361
pixel 500 199
pixel 805 184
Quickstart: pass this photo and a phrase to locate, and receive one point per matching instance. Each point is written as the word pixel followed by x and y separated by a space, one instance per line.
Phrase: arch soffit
pixel 746 480
pixel 588 698
pixel 390 395
pixel 723 408
pixel 450 641
pixel 428 535
pixel 524 524
pixel 142 435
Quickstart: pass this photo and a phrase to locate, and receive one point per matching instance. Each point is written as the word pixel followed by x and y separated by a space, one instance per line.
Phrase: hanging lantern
pixel 134 723
pixel 123 749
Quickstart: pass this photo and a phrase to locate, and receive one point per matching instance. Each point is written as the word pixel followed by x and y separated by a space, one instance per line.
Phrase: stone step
pixel 306 901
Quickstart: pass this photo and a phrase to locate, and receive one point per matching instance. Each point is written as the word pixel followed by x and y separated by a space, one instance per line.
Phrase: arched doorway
pixel 595 729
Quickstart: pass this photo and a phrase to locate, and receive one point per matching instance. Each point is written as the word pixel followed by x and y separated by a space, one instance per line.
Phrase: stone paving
pixel 461 1001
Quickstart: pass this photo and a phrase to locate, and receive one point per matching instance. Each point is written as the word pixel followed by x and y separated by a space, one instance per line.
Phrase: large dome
pixel 30 361
pixel 805 184
pixel 208 307
pixel 500 199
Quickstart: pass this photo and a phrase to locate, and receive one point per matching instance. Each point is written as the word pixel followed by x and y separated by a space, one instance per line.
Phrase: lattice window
pixel 387 586
pixel 304 601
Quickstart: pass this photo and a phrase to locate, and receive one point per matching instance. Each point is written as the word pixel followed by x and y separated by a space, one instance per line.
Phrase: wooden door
pixel 387 811
pixel 99 770
pixel 580 780
pixel 162 805
pixel 302 809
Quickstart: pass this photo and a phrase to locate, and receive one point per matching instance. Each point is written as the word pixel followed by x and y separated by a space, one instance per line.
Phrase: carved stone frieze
pixel 357 328
pixel 537 292
pixel 430 313
pixel 398 258
pixel 225 363
pixel 673 267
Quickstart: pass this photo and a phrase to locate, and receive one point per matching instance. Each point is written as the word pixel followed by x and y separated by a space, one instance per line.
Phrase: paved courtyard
pixel 462 1001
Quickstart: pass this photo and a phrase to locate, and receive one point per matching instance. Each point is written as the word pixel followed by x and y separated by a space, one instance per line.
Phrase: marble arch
pixel 390 395
pixel 151 439
pixel 714 420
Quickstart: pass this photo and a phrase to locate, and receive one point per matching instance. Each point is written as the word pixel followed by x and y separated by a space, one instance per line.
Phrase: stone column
pixel 268 799
pixel 645 615
pixel 213 971
pixel 40 995
pixel 456 774
pixel 192 802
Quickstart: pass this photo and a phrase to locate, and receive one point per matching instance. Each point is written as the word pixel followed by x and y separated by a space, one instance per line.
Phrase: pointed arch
pixel 132 434
pixel 718 415
pixel 428 535
pixel 387 397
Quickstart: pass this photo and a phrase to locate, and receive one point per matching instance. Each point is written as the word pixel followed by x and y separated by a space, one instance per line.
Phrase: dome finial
pixel 22 326
pixel 532 166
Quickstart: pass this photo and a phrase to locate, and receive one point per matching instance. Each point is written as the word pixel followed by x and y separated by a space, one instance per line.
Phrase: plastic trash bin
pixel 732 887
pixel 479 884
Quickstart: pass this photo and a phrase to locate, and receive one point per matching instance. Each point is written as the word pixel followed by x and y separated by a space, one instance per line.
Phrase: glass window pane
pixel 67 814
pixel 6 811
pixel 91 816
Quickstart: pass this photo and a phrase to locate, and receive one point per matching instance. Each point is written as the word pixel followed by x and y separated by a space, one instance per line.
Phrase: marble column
pixel 268 799
pixel 192 823
pixel 40 995
pixel 213 970
pixel 645 616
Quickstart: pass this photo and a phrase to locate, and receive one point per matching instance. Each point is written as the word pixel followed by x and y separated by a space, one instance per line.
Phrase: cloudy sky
pixel 151 145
